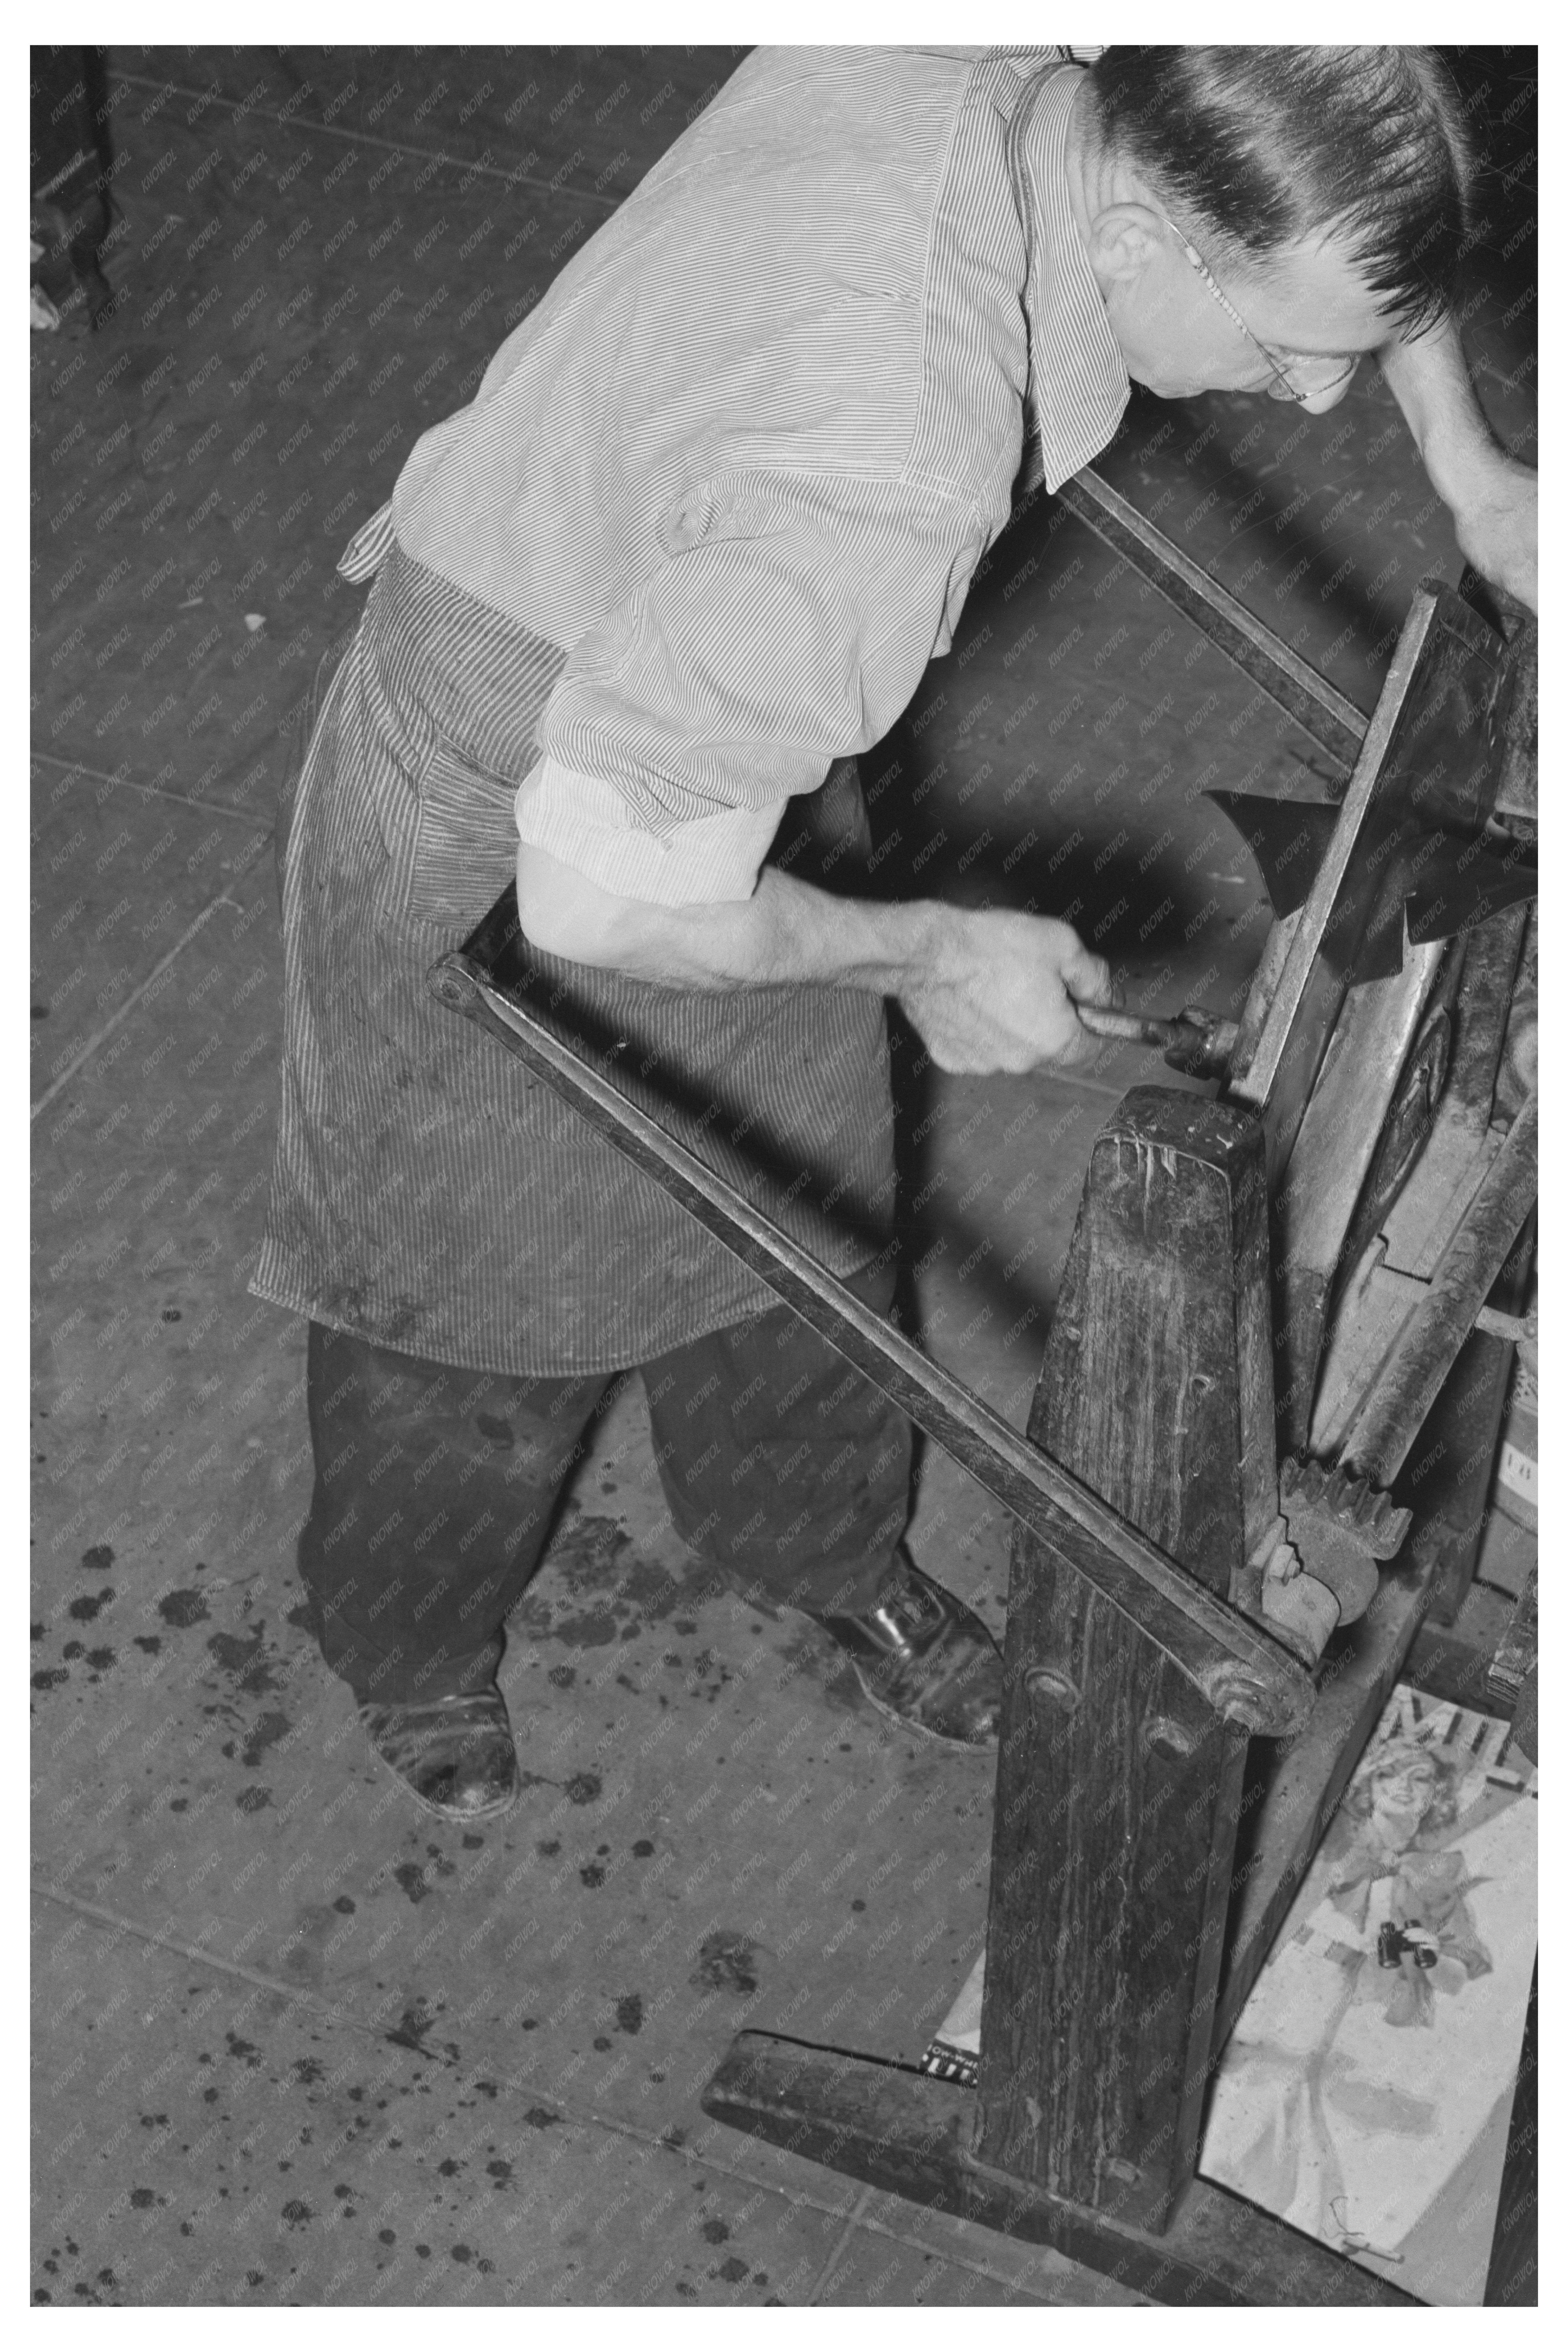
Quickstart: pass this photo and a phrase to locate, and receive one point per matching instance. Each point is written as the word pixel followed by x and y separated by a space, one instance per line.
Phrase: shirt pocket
pixel 723 506
pixel 464 847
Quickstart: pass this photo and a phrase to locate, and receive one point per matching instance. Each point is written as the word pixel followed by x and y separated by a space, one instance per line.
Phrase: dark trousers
pixel 435 1489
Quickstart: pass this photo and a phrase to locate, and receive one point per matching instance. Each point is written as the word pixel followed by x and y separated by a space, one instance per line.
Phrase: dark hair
pixel 1262 147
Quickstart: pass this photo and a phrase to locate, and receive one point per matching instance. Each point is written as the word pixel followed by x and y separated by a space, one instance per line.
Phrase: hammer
pixel 1196 1042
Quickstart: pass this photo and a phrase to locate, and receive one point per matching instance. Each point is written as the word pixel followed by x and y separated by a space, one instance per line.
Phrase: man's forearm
pixel 786 931
pixel 1429 380
pixel 1492 498
pixel 986 989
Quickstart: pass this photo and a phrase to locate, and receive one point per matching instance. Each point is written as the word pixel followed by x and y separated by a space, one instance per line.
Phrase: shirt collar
pixel 1077 380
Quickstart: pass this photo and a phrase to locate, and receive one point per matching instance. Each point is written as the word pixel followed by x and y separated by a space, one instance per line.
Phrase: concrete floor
pixel 295 2042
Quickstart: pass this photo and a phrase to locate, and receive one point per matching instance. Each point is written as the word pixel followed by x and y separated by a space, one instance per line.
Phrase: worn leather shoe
pixel 454 1754
pixel 925 1661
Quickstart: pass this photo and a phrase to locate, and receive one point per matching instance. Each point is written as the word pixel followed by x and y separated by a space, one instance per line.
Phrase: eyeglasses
pixel 1296 375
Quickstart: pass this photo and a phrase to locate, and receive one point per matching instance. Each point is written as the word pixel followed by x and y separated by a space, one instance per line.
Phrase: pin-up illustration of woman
pixel 1323 2111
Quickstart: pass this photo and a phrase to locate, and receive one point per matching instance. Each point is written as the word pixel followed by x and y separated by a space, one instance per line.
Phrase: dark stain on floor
pixel 412 2031
pixel 244 1659
pixel 607 1592
pixel 86 1605
pixel 268 1729
pixel 182 1608
pixel 586 1629
pixel 727 1962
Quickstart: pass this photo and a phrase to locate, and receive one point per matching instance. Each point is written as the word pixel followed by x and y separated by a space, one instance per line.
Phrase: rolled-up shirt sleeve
pixel 791 632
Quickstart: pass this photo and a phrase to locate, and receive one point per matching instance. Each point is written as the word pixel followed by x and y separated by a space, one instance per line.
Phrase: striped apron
pixel 429 1193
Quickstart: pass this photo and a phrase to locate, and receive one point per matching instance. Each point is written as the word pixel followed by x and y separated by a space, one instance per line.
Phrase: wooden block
pixel 1118 1789
pixel 1391 1414
pixel 1448 1478
pixel 1157 1386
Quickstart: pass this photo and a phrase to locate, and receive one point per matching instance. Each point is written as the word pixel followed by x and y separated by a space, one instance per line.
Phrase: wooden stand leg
pixel 1109 1897
pixel 1119 1784
pixel 912 2133
pixel 1119 1788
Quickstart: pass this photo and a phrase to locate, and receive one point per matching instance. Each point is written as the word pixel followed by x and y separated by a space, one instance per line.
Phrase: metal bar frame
pixel 1242 1672
pixel 1334 724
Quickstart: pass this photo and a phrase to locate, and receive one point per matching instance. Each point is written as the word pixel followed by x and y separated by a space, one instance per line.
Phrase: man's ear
pixel 1123 240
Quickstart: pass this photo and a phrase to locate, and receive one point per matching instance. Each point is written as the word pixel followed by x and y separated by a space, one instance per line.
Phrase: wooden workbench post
pixel 1117 1785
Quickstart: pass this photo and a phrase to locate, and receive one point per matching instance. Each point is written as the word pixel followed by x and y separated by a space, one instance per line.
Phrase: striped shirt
pixel 717 503
pixel 740 463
